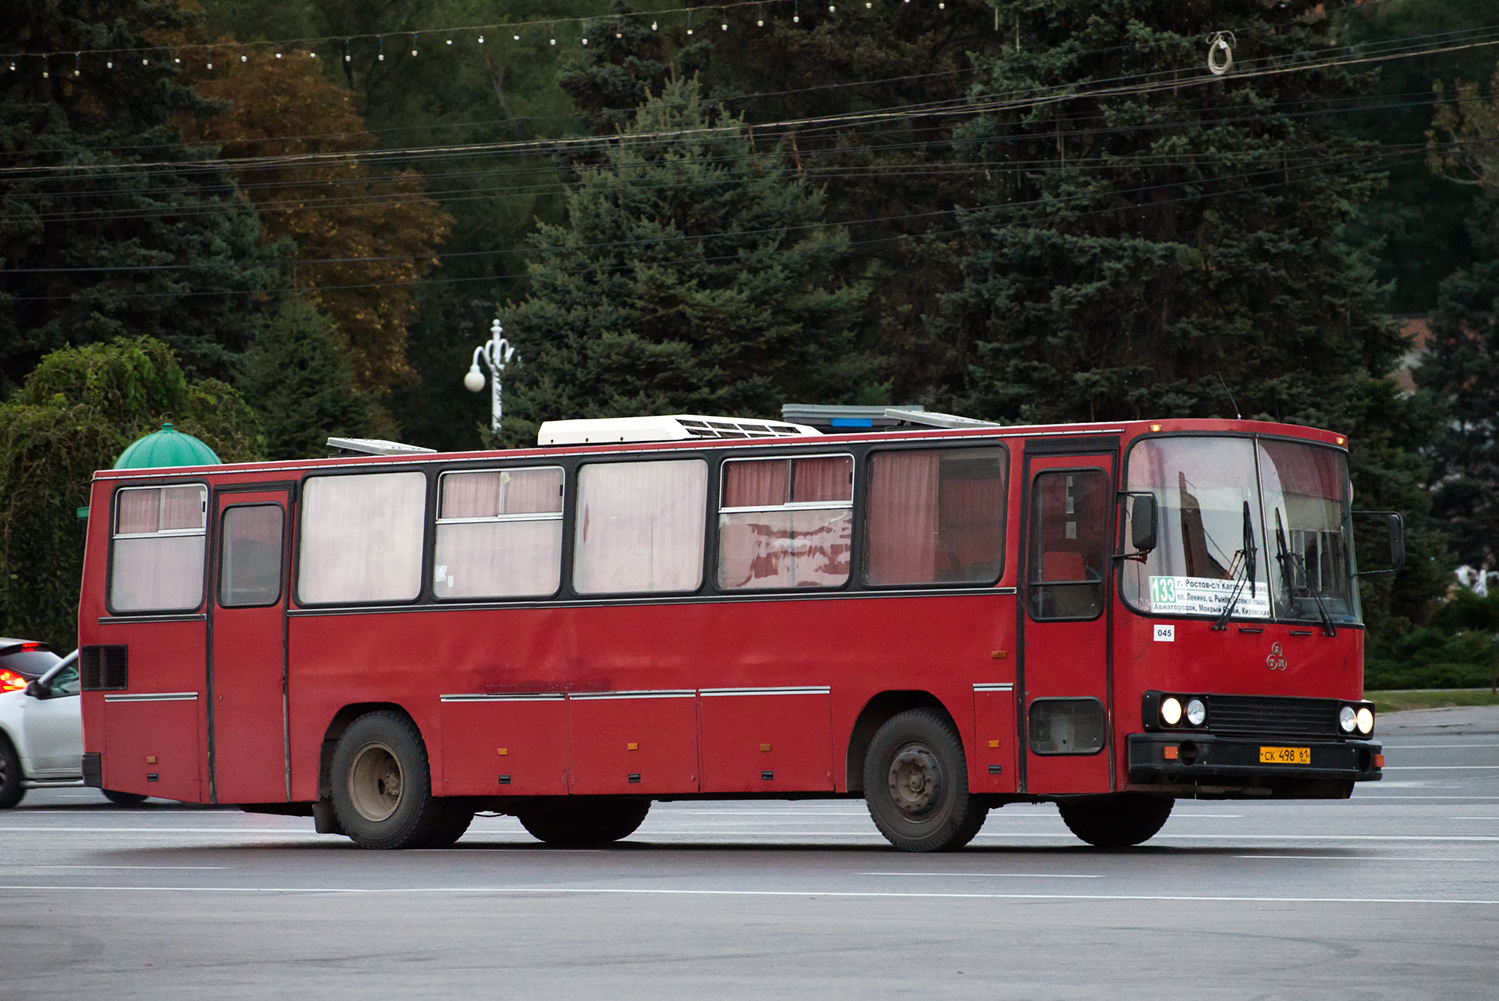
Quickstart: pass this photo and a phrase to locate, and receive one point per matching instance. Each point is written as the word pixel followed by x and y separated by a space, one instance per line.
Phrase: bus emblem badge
pixel 1277 659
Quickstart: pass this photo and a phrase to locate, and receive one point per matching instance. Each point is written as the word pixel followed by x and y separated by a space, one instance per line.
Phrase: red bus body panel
pixel 703 694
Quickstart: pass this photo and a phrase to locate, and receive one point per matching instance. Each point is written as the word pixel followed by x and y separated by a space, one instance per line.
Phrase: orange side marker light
pixel 1169 753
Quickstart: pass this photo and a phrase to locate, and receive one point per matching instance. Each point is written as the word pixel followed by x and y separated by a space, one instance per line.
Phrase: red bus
pixel 940 620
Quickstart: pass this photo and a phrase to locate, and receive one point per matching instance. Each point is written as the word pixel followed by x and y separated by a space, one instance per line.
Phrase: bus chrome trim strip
pixel 1001 686
pixel 153 697
pixel 505 697
pixel 665 693
pixel 799 690
pixel 128 619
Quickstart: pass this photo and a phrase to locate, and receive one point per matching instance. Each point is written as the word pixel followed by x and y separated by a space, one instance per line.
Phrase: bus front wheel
pixel 382 787
pixel 1122 820
pixel 916 784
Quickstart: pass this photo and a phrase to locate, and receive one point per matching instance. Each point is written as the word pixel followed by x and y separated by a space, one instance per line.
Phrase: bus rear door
pixel 247 648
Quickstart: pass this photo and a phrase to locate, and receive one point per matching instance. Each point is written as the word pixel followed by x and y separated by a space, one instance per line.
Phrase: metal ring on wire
pixel 1220 52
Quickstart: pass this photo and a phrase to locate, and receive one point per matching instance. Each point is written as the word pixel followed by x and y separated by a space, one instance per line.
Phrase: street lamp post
pixel 496 353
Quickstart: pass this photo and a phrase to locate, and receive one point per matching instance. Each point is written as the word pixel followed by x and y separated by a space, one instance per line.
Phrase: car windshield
pixel 1261 523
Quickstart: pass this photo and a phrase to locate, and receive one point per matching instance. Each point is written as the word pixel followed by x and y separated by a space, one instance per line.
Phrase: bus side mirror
pixel 1392 523
pixel 1142 527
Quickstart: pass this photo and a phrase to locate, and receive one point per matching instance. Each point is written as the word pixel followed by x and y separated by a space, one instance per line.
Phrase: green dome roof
pixel 166 448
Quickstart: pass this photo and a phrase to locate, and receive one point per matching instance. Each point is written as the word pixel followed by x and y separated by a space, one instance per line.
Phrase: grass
pixel 1395 701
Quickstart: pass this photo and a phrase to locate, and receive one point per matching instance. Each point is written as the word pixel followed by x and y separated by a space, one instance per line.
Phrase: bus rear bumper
pixel 1204 765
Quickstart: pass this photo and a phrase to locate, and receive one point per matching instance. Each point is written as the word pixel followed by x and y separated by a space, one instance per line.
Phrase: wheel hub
pixel 375 782
pixel 915 781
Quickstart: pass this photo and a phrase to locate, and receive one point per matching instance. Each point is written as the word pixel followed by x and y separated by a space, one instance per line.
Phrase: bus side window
pixel 158 548
pixel 499 534
pixel 250 556
pixel 785 522
pixel 1067 544
pixel 935 516
pixel 361 537
pixel 640 526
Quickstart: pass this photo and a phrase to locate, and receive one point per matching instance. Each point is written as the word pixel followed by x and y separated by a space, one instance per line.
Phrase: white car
pixel 41 736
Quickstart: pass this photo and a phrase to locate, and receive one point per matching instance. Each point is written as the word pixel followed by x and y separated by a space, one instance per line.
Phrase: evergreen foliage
pixel 76 413
pixel 93 245
pixel 691 277
pixel 302 385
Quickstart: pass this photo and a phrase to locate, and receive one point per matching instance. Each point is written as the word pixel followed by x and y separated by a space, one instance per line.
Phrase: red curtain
pixel 902 517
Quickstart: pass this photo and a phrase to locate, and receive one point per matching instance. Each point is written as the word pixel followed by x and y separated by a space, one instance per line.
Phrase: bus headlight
pixel 1365 720
pixel 1171 711
pixel 1347 719
pixel 1197 712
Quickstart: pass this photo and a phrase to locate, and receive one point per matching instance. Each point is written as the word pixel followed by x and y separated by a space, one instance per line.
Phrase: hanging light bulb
pixel 414 37
pixel 13 65
pixel 145 62
pixel 517 38
pixel 653 25
pixel 311 54
pixel 831 9
pixel 585 41
pixel 450 41
pixel 210 65
pixel 177 60
pixel 347 57
pixel 278 55
pixel 382 50
pixel 77 70
pixel 481 38
pixel 108 64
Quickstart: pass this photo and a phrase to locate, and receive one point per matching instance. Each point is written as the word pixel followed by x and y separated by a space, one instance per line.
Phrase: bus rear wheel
pixel 584 821
pixel 1119 821
pixel 382 786
pixel 916 784
pixel 456 816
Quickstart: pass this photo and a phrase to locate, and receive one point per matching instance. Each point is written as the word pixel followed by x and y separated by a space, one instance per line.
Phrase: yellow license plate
pixel 1285 755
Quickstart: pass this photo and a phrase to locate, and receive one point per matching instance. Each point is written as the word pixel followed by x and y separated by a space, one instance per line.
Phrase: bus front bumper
pixel 1204 764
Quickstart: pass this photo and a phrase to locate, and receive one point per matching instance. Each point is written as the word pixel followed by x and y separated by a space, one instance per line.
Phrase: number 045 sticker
pixel 1165 634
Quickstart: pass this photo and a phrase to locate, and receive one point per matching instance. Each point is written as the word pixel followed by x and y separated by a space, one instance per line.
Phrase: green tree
pixel 93 241
pixel 302 385
pixel 76 413
pixel 1461 366
pixel 692 276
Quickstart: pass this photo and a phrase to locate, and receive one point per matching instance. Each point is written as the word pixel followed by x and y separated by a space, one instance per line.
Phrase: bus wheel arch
pixel 873 716
pixel 380 782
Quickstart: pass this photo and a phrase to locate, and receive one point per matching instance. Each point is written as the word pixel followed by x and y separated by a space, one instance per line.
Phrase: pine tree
pixel 1138 252
pixel 94 242
pixel 302 385
pixel 692 276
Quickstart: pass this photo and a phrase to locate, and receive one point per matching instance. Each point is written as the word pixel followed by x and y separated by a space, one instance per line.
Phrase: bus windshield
pixel 1262 523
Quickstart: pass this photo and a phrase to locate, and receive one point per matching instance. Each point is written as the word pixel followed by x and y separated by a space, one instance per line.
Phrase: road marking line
pixel 1375 858
pixel 811 894
pixel 1433 747
pixel 999 875
pixel 30 865
pixel 1441 768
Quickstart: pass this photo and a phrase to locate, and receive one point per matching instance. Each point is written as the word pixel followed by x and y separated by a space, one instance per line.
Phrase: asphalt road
pixel 1394 894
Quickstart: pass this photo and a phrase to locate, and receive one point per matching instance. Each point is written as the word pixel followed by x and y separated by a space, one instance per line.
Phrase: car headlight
pixel 1197 712
pixel 1171 711
pixel 1365 720
pixel 1347 719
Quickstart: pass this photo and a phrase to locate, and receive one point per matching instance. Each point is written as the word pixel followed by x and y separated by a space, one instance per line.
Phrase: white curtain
pixel 640 526
pixel 155 572
pixel 361 538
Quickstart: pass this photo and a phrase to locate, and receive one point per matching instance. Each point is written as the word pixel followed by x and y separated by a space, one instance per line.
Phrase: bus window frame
pixel 1122 529
pixel 428 534
pixel 434 519
pixel 708 553
pixel 218 545
pixel 717 510
pixel 861 511
pixel 114 514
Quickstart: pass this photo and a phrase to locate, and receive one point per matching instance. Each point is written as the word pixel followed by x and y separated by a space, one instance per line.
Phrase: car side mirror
pixel 1142 523
pixel 35 690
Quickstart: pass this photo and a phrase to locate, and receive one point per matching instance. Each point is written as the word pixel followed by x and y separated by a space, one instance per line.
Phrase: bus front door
pixel 1064 623
pixel 247 649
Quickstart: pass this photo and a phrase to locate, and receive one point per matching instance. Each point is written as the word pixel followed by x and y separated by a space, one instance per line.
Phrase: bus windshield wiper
pixel 1290 564
pixel 1248 567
